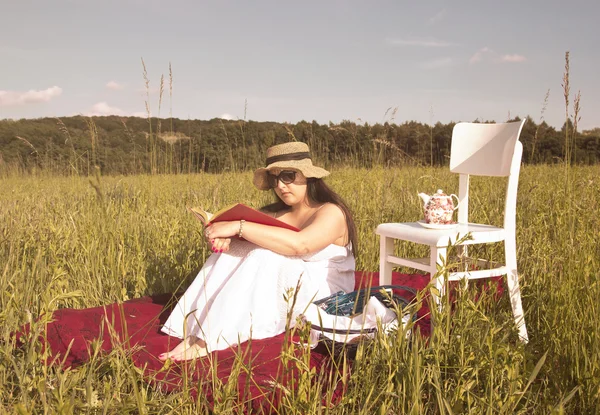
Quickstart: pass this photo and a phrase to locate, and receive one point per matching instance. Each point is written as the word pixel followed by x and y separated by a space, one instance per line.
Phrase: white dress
pixel 240 294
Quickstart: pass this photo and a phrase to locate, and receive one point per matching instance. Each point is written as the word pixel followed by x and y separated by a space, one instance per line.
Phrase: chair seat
pixel 414 232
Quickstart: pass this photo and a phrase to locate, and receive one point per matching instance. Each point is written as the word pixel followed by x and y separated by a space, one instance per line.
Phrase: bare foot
pixel 195 351
pixel 189 348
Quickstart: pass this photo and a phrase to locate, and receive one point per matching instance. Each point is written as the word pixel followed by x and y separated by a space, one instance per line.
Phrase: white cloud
pixel 513 58
pixel 140 114
pixel 437 17
pixel 102 108
pixel 490 55
pixel 421 42
pixel 114 86
pixel 227 116
pixel 478 56
pixel 12 98
pixel 437 63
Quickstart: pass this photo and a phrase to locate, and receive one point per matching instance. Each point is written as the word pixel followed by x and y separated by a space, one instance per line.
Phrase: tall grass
pixel 74 242
pixel 83 242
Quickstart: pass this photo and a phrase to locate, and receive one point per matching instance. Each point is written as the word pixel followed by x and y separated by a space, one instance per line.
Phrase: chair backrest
pixel 487 150
pixel 484 149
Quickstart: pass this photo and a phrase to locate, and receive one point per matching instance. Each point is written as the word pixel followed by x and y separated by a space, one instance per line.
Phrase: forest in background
pixel 133 145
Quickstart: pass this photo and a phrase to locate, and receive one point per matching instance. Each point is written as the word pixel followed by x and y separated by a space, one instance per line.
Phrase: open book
pixel 237 212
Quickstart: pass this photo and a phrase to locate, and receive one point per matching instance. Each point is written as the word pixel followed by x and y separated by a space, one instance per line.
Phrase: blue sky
pixel 327 60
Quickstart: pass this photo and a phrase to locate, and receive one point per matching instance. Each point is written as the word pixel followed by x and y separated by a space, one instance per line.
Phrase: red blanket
pixel 135 326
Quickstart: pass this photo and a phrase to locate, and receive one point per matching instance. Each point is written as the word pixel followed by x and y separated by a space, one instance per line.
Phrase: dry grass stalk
pixel 289 131
pixel 161 89
pixel 566 92
pixel 232 166
pixel 570 151
pixel 385 114
pixel 24 140
pixel 393 116
pixel 536 135
pixel 576 116
pixel 150 144
pixel 431 135
pixel 171 95
pixel 65 131
pixel 132 140
pixel 147 87
pixel 94 140
pixel 394 147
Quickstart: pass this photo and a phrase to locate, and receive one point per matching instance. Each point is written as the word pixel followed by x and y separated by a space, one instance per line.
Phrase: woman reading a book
pixel 241 291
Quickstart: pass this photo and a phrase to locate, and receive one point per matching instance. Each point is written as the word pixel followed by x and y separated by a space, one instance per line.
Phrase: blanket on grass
pixel 134 327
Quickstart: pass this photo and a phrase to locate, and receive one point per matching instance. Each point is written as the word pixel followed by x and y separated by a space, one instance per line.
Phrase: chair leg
pixel 512 281
pixel 386 247
pixel 438 256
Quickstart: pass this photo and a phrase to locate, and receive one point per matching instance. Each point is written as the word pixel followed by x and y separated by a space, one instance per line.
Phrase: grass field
pixel 79 242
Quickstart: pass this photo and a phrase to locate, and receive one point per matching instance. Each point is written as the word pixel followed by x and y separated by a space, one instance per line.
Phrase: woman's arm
pixel 328 225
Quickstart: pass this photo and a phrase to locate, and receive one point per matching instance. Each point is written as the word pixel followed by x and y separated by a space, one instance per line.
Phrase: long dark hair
pixel 319 192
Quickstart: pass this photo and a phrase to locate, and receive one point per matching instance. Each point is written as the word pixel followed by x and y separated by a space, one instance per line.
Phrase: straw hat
pixel 288 156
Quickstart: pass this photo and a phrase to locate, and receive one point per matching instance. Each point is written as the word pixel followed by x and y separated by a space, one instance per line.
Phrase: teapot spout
pixel 425 198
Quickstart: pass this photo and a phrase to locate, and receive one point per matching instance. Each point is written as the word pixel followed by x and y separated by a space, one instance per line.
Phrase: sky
pixel 287 61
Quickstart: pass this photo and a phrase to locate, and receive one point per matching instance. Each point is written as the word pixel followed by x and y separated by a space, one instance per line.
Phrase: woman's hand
pixel 222 230
pixel 218 235
pixel 220 244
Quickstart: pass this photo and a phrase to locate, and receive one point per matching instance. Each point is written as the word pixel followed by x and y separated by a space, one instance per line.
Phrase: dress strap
pixel 313 214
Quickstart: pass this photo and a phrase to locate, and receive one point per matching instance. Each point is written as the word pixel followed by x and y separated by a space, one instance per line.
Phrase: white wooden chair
pixel 479 150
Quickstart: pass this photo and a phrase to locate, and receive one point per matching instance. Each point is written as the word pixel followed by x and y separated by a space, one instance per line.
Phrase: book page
pixel 202 215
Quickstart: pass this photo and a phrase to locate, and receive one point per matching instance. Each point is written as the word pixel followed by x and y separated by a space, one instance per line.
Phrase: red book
pixel 239 211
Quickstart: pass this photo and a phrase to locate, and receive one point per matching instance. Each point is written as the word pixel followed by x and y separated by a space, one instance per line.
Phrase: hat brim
pixel 305 167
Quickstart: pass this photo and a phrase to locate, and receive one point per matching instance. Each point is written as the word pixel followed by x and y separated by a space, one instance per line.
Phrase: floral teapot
pixel 439 207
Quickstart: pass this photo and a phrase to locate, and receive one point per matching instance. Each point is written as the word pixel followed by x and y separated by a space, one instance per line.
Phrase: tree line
pixel 132 145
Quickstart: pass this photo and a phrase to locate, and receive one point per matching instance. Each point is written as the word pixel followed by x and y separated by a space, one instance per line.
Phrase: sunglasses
pixel 286 177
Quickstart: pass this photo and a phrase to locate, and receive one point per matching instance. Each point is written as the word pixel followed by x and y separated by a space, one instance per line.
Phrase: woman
pixel 240 293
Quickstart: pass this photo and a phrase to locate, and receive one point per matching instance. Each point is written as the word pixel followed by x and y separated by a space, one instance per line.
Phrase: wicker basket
pixel 351 304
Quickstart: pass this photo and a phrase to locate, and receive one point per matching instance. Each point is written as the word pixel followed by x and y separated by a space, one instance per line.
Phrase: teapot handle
pixel 457 201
